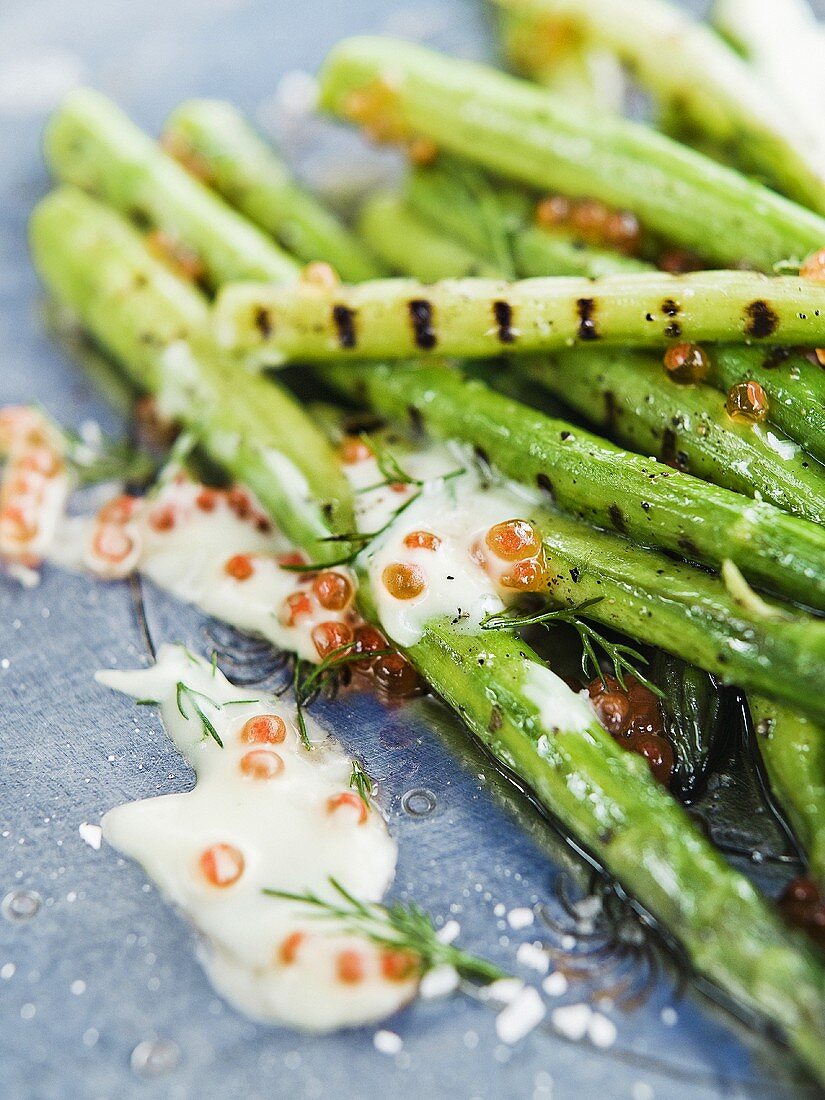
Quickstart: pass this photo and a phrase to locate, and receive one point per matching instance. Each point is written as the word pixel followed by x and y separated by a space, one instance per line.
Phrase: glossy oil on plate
pixel 101 995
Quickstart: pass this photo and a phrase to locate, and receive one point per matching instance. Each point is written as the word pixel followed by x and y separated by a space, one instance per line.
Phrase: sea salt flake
pixel 441 981
pixel 534 956
pixel 555 984
pixel 449 932
pixel 572 1021
pixel 520 918
pixel 504 990
pixel 387 1042
pixel 92 834
pixel 519 1018
pixel 601 1031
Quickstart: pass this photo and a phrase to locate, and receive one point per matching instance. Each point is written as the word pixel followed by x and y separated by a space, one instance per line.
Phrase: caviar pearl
pixel 350 802
pixel 747 402
pixel 814 267
pixel 686 363
pixel 350 967
pixel 513 540
pixel 222 865
pixel 288 951
pixel 422 540
pixel 239 567
pixel 403 581
pixel 328 637
pixel 263 729
pixel 333 590
pixel 261 764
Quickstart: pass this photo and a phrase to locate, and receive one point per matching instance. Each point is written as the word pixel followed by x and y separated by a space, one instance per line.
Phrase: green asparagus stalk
pixel 481 318
pixel 795 387
pixel 680 60
pixel 498 223
pixel 154 324
pixel 404 242
pixel 214 137
pixel 533 723
pixel 629 395
pixel 525 133
pixel 89 142
pixel 793 749
pixel 585 73
pixel 594 480
pixel 785 46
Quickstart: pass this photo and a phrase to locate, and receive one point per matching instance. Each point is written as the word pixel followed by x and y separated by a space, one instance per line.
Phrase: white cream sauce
pixel 265 955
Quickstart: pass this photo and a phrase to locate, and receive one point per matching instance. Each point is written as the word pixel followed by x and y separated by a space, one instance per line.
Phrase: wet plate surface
pixel 101 995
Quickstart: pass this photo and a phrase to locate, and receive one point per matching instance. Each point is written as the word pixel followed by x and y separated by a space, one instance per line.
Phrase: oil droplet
pixel 155 1057
pixel 418 802
pixel 20 905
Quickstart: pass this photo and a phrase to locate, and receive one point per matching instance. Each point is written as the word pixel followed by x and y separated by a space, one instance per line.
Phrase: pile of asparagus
pixel 674 553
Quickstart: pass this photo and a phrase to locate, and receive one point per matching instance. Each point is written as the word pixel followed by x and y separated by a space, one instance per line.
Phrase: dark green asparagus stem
pixel 214 137
pixel 629 395
pixel 589 478
pixel 91 143
pixel 525 133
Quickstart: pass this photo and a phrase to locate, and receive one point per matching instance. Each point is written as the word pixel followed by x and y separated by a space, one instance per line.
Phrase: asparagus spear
pixel 213 137
pixel 498 223
pixel 785 46
pixel 153 323
pixel 793 749
pixel 89 142
pixel 795 387
pixel 527 134
pixel 680 61
pixel 629 395
pixel 481 318
pixel 406 243
pixel 590 478
pixel 530 721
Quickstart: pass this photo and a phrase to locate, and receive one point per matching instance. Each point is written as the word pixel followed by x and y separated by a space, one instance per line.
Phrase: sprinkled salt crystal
pixel 449 932
pixel 7 971
pixel 78 987
pixel 572 1021
pixel 499 910
pixel 92 834
pixel 641 1090
pixel 589 907
pixel 669 1016
pixel 520 918
pixel 23 574
pixel 555 984
pixel 5 663
pixel 519 1018
pixel 504 990
pixel 534 956
pixel 387 1042
pixel 601 1031
pixel 441 981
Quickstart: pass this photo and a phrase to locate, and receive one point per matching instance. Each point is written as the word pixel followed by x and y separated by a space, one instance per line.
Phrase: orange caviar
pixel 261 764
pixel 112 543
pixel 374 108
pixel 368 641
pixel 240 502
pixel 398 964
pixel 333 590
pixel 747 402
pixel 686 363
pixel 591 220
pixel 327 637
pixel 350 967
pixel 222 865
pixel 118 510
pixel 179 256
pixel 162 518
pixel 320 274
pixel 296 606
pixel 293 557
pixel 288 951
pixel 525 576
pixel 353 449
pixel 240 567
pixel 513 540
pixel 422 151
pixel 396 677
pixel 403 581
pixel 422 540
pixel 207 500
pixel 263 729
pixel 814 267
pixel 349 800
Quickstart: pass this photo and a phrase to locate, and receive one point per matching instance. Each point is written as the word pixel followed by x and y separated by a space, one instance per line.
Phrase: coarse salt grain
pixel 504 990
pixel 601 1031
pixel 520 918
pixel 572 1021
pixel 534 956
pixel 387 1042
pixel 92 834
pixel 519 1018
pixel 555 984
pixel 441 981
pixel 449 932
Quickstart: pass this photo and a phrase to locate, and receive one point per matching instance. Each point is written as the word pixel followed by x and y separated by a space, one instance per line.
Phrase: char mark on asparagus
pixel 760 320
pixel 503 313
pixel 421 318
pixel 586 307
pixel 344 320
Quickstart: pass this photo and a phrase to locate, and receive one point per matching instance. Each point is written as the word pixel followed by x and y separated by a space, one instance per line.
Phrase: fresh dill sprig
pixel 398 927
pixel 183 691
pixel 309 680
pixel 299 704
pixel 361 782
pixel 388 465
pixel 622 657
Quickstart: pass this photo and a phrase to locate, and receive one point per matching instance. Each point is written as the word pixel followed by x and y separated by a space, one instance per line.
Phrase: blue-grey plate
pixel 100 993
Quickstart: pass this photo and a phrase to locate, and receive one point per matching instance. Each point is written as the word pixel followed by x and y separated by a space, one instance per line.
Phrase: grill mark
pixel 760 320
pixel 668 452
pixel 421 318
pixel 544 482
pixel 586 307
pixel 775 358
pixel 688 547
pixel 670 308
pixel 503 313
pixel 344 320
pixel 263 321
pixel 617 519
pixel 673 330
